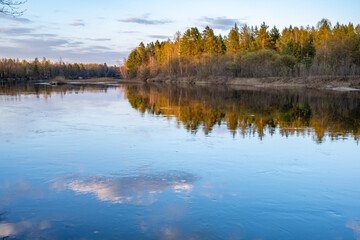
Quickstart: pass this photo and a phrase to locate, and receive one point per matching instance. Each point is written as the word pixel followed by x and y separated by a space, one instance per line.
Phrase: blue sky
pixel 107 30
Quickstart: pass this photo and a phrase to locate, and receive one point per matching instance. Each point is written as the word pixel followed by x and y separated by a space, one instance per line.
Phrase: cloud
pixel 99 48
pixel 39 43
pixel 15 31
pixel 129 32
pixel 74 44
pixel 32 45
pixel 221 23
pixel 67 53
pixel 42 35
pixel 101 39
pixel 18 31
pixel 158 36
pixel 145 21
pixel 15 19
pixel 140 189
pixel 78 23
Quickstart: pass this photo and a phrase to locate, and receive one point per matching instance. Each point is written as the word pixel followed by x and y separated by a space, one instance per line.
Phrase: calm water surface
pixel 161 162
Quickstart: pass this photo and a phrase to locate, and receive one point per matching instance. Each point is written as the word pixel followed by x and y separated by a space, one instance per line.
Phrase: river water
pixel 173 162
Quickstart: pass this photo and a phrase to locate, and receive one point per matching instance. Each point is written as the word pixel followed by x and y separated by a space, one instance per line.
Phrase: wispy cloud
pixel 56 48
pixel 28 32
pixel 99 48
pixel 36 44
pixel 78 23
pixel 15 31
pixel 74 44
pixel 145 21
pixel 158 36
pixel 221 23
pixel 129 32
pixel 42 35
pixel 15 19
pixel 101 39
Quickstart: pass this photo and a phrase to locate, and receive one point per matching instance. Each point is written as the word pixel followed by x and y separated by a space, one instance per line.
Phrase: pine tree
pixel 233 40
pixel 191 43
pixel 134 60
pixel 262 37
pixel 220 45
pixel 245 38
pixel 274 37
pixel 209 41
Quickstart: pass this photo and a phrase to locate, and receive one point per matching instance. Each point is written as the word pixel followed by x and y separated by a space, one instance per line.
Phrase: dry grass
pixel 96 80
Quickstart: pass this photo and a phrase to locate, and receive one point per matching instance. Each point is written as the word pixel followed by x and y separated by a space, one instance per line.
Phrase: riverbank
pixel 344 83
pixel 320 82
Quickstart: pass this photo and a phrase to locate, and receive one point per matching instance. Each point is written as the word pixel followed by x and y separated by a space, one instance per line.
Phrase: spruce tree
pixel 233 40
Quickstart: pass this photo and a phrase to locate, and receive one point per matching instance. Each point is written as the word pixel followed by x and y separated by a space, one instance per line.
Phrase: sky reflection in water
pixel 155 162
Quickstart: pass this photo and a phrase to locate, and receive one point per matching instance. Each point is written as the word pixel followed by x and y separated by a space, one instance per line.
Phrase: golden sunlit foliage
pixel 252 52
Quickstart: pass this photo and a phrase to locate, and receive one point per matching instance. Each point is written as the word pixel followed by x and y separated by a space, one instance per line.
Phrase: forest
pixel 11 69
pixel 251 52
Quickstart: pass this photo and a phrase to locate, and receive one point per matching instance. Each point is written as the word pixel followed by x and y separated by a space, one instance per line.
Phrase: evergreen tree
pixel 220 45
pixel 293 49
pixel 309 48
pixel 245 38
pixel 143 52
pixel 274 38
pixel 209 41
pixel 134 60
pixel 191 43
pixel 233 40
pixel 262 37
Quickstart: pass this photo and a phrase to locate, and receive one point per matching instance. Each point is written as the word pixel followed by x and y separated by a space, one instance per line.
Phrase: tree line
pixel 11 69
pixel 252 52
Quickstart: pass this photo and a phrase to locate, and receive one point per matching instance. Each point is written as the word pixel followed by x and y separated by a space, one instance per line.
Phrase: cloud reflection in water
pixel 141 189
pixel 355 226
pixel 14 229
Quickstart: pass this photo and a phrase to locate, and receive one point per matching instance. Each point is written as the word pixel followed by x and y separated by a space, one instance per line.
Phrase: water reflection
pixel 23 89
pixel 355 226
pixel 267 188
pixel 254 110
pixel 14 229
pixel 20 189
pixel 141 189
pixel 245 111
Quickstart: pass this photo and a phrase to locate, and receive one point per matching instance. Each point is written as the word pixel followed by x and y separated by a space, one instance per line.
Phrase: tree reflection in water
pixel 251 111
pixel 247 111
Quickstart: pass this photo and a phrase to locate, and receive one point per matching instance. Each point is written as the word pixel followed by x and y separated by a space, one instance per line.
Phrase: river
pixel 177 162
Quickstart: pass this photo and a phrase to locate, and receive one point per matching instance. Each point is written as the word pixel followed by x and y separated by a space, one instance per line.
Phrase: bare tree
pixel 11 7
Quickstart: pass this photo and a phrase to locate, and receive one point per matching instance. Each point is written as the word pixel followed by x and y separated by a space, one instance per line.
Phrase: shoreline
pixel 340 83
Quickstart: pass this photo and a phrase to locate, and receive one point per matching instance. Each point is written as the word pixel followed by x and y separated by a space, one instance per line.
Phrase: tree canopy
pixel 252 51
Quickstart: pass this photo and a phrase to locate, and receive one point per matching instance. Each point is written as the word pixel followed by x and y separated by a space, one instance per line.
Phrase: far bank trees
pixel 324 50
